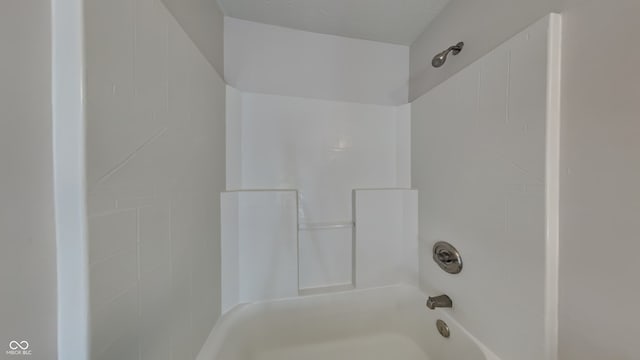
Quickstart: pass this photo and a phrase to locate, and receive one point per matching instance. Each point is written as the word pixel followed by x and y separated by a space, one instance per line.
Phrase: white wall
pixel 600 201
pixel 259 246
pixel 482 25
pixel 598 318
pixel 325 150
pixel 27 230
pixel 155 169
pixel 269 59
pixel 203 21
pixel 386 237
pixel 480 143
pixel 68 90
pixel 315 113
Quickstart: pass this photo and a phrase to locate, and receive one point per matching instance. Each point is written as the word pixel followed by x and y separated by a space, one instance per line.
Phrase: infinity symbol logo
pixel 23 345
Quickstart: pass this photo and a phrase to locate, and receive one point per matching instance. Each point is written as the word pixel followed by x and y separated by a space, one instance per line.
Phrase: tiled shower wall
pixel 485 162
pixel 155 168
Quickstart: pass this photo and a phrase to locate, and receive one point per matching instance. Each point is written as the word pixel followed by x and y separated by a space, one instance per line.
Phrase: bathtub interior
pixel 382 323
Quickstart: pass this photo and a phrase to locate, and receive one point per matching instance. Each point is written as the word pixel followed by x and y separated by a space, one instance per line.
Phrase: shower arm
pixel 455 49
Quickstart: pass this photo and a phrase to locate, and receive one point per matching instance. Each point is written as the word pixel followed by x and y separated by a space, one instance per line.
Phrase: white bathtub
pixel 374 324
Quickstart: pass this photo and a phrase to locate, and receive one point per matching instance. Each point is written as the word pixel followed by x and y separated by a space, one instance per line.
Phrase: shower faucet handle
pixel 446 257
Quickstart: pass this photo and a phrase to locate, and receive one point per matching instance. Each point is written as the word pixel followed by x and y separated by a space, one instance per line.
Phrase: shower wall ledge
pixel 267 253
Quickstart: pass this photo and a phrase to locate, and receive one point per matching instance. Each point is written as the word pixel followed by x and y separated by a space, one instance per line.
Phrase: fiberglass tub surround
pixel 336 191
pixel 320 222
pixel 155 168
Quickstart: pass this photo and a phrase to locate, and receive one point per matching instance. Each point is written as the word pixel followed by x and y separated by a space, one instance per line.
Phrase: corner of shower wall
pixel 259 246
pixel 552 190
pixel 69 117
pixel 233 138
pixel 155 110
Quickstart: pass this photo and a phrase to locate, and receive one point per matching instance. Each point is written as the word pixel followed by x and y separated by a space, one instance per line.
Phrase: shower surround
pixel 155 168
pixel 484 155
pixel 327 152
pixel 301 143
pixel 318 214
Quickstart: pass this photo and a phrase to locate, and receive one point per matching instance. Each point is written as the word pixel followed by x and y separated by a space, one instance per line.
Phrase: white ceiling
pixel 391 21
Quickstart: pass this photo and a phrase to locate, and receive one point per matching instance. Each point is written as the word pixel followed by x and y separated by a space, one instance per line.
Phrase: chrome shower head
pixel 441 58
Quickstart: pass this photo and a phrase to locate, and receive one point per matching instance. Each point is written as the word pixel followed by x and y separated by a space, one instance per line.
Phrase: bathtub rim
pixel 213 343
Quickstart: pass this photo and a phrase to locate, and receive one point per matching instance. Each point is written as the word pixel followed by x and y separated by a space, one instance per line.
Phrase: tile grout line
pixel 166 61
pixel 508 91
pixel 125 161
pixel 139 248
pixel 129 157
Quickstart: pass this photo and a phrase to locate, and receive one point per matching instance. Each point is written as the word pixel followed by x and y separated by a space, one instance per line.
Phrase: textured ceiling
pixel 391 21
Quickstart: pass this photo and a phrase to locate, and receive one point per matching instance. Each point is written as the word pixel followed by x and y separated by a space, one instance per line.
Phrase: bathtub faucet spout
pixel 442 301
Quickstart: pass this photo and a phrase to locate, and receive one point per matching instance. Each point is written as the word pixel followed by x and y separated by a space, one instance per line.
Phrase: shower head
pixel 441 58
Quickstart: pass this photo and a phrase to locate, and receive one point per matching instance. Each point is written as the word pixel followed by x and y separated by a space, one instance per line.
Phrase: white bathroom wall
pixel 27 228
pixel 68 96
pixel 318 114
pixel 155 169
pixel 269 59
pixel 600 154
pixel 324 150
pixel 600 202
pixel 234 138
pixel 259 246
pixel 481 24
pixel 484 161
pixel 386 237
pixel 403 146
pixel 203 21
